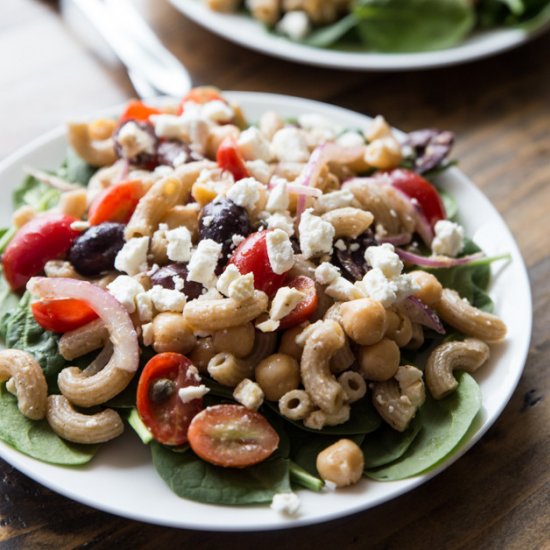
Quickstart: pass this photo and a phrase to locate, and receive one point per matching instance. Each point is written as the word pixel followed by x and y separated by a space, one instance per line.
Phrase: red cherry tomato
pixel 232 436
pixel 44 238
pixel 306 308
pixel 158 403
pixel 117 203
pixel 200 95
pixel 137 110
pixel 229 158
pixel 251 257
pixel 416 187
pixel 63 315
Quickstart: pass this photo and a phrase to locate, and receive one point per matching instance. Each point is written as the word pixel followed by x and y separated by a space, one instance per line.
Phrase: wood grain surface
pixel 498 495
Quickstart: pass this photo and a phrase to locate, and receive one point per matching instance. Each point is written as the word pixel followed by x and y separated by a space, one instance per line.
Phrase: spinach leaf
pixel 386 445
pixel 444 423
pixel 413 25
pixel 33 192
pixel 300 476
pixel 449 203
pixel 75 169
pixel 190 477
pixel 8 299
pixel 19 330
pixel 471 281
pixel 328 35
pixel 35 437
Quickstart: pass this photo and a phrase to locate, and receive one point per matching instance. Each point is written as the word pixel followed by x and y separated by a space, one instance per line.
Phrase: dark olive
pixel 143 159
pixel 161 390
pixel 351 259
pixel 94 251
pixel 220 221
pixel 165 278
pixel 431 147
pixel 174 153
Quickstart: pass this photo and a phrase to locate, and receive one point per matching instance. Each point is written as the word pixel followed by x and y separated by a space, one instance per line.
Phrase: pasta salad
pixel 274 305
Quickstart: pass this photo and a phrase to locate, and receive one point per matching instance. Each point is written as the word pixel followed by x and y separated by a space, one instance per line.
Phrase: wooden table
pixel 497 496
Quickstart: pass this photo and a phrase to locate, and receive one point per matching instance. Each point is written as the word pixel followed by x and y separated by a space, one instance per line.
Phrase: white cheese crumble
pixel 340 245
pixel 278 196
pixel 350 139
pixel 279 251
pixel 254 145
pixel 384 258
pixel 237 240
pixel 245 193
pixel 259 170
pixel 242 288
pixel 387 291
pixel 284 302
pixel 343 290
pixel 290 145
pixel 249 394
pixel 286 503
pixel 132 257
pixel 190 393
pixel 230 274
pixel 283 221
pixel 169 126
pixel 210 294
pixel 333 200
pixel 125 289
pixel 203 262
pixel 270 325
pixel 316 235
pixel 179 244
pixel 144 307
pixel 217 111
pixel 326 273
pixel 449 238
pixel 148 334
pixel 165 299
pixel 295 25
pixel 134 140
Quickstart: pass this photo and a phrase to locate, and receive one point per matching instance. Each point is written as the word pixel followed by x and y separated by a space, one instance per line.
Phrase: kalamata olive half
pixel 220 221
pixel 431 148
pixel 173 153
pixel 167 276
pixel 350 258
pixel 94 251
pixel 137 143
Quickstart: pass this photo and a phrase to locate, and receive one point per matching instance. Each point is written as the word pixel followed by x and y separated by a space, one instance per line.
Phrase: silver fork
pixel 152 69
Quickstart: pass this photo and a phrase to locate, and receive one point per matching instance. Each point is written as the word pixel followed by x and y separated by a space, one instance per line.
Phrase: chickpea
pixel 380 361
pixel 202 353
pixel 236 340
pixel 399 328
pixel 342 463
pixel 278 374
pixel 430 288
pixel 364 320
pixel 172 333
pixel 288 344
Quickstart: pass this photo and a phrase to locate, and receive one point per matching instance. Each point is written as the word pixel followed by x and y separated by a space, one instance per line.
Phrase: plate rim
pixel 25 463
pixel 504 39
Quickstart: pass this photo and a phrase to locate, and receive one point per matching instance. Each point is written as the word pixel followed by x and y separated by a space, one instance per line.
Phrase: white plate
pixel 121 478
pixel 244 30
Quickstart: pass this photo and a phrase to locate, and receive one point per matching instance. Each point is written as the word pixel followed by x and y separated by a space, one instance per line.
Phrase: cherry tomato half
pixel 44 238
pixel 158 403
pixel 251 257
pixel 117 203
pixel 229 158
pixel 200 95
pixel 306 308
pixel 416 187
pixel 63 315
pixel 232 436
pixel 137 110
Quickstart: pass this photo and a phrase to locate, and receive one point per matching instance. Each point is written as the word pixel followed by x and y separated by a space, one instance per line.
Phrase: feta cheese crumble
pixel 246 193
pixel 316 235
pixel 134 140
pixel 190 393
pixel 179 244
pixel 285 301
pixel 203 263
pixel 286 503
pixel 165 299
pixel 449 238
pixel 254 145
pixel 326 273
pixel 295 25
pixel 283 221
pixel 132 257
pixel 125 289
pixel 333 200
pixel 249 394
pixel 279 251
pixel 278 196
pixel 290 145
pixel 384 258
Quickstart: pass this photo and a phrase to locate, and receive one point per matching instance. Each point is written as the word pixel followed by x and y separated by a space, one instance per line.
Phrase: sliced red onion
pixel 436 261
pixel 51 180
pixel 423 226
pixel 302 190
pixel 125 168
pixel 325 153
pixel 396 240
pixel 117 321
pixel 418 312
